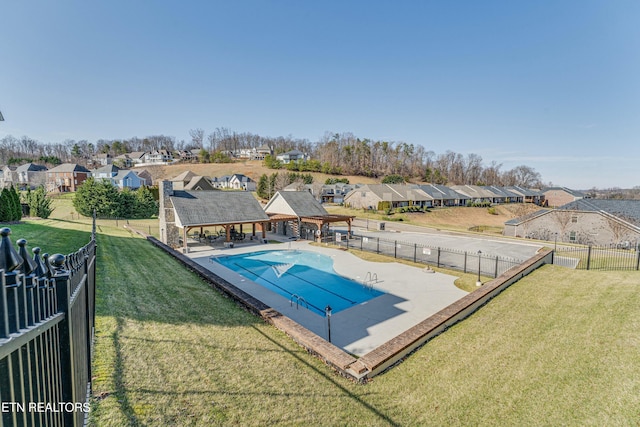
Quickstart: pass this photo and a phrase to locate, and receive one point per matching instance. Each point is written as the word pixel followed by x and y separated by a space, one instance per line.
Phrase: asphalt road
pixel 472 243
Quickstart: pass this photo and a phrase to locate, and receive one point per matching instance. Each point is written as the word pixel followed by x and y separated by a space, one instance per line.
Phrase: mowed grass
pixel 560 347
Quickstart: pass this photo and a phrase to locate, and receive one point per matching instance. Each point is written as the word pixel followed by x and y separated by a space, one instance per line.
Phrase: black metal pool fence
pixel 488 265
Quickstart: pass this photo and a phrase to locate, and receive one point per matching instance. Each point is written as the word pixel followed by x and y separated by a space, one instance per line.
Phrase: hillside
pixel 452 218
pixel 254 169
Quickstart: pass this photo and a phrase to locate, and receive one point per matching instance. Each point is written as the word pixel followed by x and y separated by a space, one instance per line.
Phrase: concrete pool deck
pixel 412 295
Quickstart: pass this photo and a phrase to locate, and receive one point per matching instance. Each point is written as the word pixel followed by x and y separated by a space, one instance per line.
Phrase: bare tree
pixel 197 137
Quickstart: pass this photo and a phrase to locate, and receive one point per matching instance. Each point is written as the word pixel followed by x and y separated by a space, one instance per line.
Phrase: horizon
pixel 546 85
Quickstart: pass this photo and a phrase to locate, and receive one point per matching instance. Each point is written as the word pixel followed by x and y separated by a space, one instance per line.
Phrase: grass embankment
pixel 560 347
pixel 449 218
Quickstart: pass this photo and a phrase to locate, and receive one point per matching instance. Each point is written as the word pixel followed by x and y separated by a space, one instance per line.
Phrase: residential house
pixel 560 196
pixel 188 180
pixel 237 181
pixel 144 174
pixel 127 178
pixel 8 176
pixel 66 177
pixel 30 176
pixel 137 157
pixel 105 172
pixel 475 193
pixel 444 196
pixel 585 221
pixel 291 156
pixel 528 195
pixel 502 195
pixel 159 157
pixel 189 155
pixel 121 178
pixel 326 193
pixel 123 161
pixel 380 196
pixel 261 152
pixel 102 159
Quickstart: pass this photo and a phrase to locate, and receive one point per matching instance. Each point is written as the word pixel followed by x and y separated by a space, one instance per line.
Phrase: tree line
pixel 333 153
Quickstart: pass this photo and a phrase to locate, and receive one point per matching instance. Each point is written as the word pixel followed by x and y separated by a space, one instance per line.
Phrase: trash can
pixel 381 226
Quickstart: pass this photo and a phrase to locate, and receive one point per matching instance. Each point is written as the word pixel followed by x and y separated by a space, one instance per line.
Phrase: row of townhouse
pixel 67 177
pixel 374 196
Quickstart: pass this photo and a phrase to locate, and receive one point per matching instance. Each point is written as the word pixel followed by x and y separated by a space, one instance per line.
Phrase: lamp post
pixel 327 311
pixel 479 282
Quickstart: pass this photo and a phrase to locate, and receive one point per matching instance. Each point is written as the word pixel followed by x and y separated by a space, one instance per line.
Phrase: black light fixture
pixel 327 312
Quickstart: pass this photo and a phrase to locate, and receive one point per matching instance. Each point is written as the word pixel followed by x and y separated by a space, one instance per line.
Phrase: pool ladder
pixel 370 279
pixel 299 300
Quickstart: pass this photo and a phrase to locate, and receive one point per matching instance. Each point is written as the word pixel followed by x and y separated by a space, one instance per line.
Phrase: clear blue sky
pixel 551 84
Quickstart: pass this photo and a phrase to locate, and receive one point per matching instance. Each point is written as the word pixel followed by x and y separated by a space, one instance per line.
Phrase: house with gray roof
pixel 585 221
pixel 126 178
pixel 291 156
pixel 31 175
pixel 560 196
pixel 528 195
pixel 444 196
pixel 66 177
pixel 475 193
pixel 237 181
pixel 188 180
pixel 377 196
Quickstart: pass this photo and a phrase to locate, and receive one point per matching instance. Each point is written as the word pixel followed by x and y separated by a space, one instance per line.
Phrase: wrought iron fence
pixel 47 308
pixel 597 257
pixel 468 262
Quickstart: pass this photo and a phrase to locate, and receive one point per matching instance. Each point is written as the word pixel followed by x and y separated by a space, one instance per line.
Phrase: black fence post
pixel 395 249
pixel 415 252
pixel 465 261
pixel 65 345
pixel 496 271
pixel 589 257
pixel 438 256
pixel 378 248
pixel 638 257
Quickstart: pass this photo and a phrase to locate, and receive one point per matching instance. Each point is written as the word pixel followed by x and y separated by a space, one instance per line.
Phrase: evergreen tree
pixel 4 205
pixel 39 203
pixel 146 205
pixel 263 187
pixel 16 214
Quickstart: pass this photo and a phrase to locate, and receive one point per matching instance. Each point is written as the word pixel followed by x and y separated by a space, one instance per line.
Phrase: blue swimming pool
pixel 294 273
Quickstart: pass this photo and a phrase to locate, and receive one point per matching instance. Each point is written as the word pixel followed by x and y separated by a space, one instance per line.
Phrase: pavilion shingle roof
pixel 302 203
pixel 216 207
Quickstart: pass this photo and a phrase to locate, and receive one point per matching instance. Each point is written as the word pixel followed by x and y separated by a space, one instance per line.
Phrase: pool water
pixel 295 274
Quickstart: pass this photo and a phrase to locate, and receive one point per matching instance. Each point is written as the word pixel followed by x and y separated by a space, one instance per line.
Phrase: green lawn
pixel 560 347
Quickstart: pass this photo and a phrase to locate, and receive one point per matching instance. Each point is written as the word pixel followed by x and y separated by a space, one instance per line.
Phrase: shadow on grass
pixel 120 388
pixel 329 378
pixel 138 281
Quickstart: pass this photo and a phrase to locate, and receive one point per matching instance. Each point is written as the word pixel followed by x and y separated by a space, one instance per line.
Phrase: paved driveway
pixel 472 243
